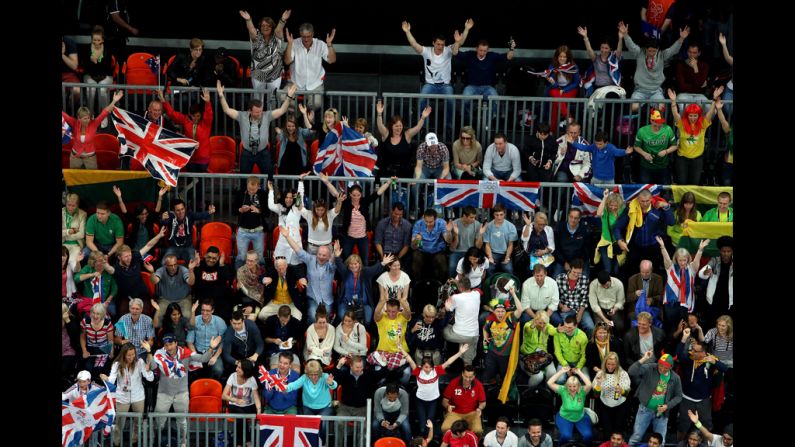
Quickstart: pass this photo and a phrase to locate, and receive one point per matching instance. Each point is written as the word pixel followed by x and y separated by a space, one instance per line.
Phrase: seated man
pixel 205 328
pixel 393 235
pixel 135 328
pixel 173 283
pixel 535 436
pixel 606 299
pixel 250 285
pixel 573 292
pixel 540 151
pixel 499 240
pixel 570 343
pixel 502 160
pixel 571 164
pixel 428 241
pixel 278 402
pixel 723 212
pixel 691 77
pixel 464 400
pixel 242 340
pixel 433 159
pixel 179 224
pixel 572 238
pixel 214 281
pixel 644 281
pixel 281 290
pixel 501 436
pixel 104 231
pixel 391 412
pixel 539 294
pixel 278 331
pixel 392 318
pixel 464 233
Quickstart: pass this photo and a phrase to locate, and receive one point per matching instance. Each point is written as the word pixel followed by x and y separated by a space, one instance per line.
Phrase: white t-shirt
pixel 394 289
pixel 428 384
pixel 511 440
pixel 322 234
pixel 476 274
pixel 466 306
pixel 245 391
pixel 440 66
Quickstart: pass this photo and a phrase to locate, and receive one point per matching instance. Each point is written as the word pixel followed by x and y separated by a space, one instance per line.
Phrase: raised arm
pixel 623 31
pixel 276 114
pixel 415 130
pixel 585 380
pixel 332 53
pixel 231 113
pixel 117 95
pixel 666 259
pixel 551 382
pixel 619 46
pixel 712 108
pixel 305 113
pixel 330 186
pixel 724 123
pixel 279 31
pixel 697 258
pixel 379 119
pixel 460 38
pixel 152 242
pixel 412 41
pixel 385 185
pixel 288 52
pixel 674 109
pixel 117 192
pixel 728 57
pixel 252 32
pixel 601 209
pixel 583 31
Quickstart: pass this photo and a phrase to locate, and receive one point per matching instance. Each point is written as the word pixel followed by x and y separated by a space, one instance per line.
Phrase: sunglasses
pixel 466 138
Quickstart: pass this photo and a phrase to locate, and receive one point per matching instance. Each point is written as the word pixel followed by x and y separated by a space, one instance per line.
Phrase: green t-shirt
pixel 572 408
pixel 658 395
pixel 653 143
pixel 609 222
pixel 105 233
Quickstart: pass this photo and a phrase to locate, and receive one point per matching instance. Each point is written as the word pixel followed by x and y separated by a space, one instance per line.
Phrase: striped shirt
pixel 722 347
pixel 358 228
pixel 96 338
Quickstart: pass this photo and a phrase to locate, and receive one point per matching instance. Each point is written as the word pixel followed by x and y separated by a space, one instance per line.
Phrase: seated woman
pixel 467 156
pixel 473 265
pixel 361 126
pixel 319 338
pixel 292 155
pixel 96 340
pixel 250 285
pixel 175 323
pixel 536 343
pixel 97 282
pixel 685 211
pixel 572 411
pixel 612 385
pixel 242 395
pixel 190 68
pixel 601 343
pixel 425 337
pixel 538 239
pixel 128 372
pixel 609 210
pixel 351 337
pixel 355 291
pixel 84 129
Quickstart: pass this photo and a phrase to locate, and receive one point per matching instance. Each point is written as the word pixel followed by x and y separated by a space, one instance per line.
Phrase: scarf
pixel 603 346
pixel 635 215
pixel 172 366
pixel 679 287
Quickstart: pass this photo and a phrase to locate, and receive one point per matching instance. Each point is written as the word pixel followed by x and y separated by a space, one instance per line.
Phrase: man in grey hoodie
pixel 649 64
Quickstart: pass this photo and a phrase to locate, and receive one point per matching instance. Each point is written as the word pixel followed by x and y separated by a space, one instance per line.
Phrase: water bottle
pixel 221 441
pixel 617 395
pixel 394 183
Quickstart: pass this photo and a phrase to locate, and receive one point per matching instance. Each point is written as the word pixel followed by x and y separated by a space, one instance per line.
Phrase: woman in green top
pixel 536 339
pixel 95 268
pixel 572 411
pixel 609 209
pixel 686 210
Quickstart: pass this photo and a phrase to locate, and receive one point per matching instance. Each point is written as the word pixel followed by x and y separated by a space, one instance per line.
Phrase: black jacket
pixel 292 278
pixel 632 345
pixel 568 246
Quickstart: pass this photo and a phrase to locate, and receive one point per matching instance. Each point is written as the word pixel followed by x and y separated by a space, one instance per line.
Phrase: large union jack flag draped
pixel 287 431
pixel 349 155
pixel 161 151
pixel 91 412
pixel 487 193
pixel 587 197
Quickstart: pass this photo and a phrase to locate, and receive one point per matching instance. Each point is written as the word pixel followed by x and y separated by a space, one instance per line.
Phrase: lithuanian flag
pixel 706 196
pixel 95 185
pixel 696 231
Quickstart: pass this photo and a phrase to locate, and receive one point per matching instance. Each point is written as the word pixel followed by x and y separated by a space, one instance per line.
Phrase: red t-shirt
pixel 465 400
pixel 468 440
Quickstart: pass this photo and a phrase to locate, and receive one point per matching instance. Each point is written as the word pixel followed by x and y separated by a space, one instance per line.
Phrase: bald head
pixel 645 268
pixel 281 265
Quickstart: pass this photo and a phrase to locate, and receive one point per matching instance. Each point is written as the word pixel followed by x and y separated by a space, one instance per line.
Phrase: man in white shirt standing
pixel 465 330
pixel 307 72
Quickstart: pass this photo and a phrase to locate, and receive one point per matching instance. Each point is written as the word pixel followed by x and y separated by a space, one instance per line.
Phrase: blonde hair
pixel 429 310
pixel 541 315
pixel 612 355
pixel 682 252
pixel 572 380
pixel 729 326
pixel 542 215
pixel 312 367
pixel 83 111
pixel 614 198
pixel 353 258
pixel 333 112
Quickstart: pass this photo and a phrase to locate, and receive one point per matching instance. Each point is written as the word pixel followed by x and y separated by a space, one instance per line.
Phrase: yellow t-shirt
pixel 281 296
pixel 691 146
pixel 390 331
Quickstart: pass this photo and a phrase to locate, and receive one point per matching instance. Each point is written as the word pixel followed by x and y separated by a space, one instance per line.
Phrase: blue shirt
pixel 603 160
pixel 203 333
pixel 316 395
pixel 277 400
pixel 481 72
pixel 432 241
pixel 499 237
pixel 392 239
pixel 318 278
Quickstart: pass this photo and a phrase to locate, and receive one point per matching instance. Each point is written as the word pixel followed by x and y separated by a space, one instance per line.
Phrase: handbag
pixel 536 361
pixel 519 255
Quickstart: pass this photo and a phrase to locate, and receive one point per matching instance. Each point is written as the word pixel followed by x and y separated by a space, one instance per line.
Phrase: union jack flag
pixel 91 412
pixel 287 430
pixel 154 64
pixel 66 131
pixel 486 193
pixel 272 380
pixel 161 151
pixel 349 155
pixel 587 197
pixel 96 290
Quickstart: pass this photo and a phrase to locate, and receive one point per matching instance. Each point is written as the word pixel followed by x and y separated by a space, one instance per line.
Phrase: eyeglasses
pixel 279 257
pixel 602 324
pixel 466 138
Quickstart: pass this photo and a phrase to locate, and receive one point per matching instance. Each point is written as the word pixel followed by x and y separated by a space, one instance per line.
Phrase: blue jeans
pixel 311 308
pixel 498 257
pixel 262 159
pixel 184 253
pixel 656 176
pixel 566 428
pixel 643 418
pixel 482 90
pixel 243 238
pixel 439 89
pixel 328 411
pixel 347 244
pixel 452 262
pixel 611 265
pixel 425 410
pixel 728 95
pixel 104 248
pixel 557 318
pixel 505 175
pixel 343 305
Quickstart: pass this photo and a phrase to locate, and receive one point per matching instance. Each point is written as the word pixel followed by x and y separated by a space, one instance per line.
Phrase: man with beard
pixel 213 280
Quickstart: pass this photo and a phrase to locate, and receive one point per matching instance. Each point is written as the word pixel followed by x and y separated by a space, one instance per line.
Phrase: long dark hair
pixel 473 251
pixel 168 325
pixel 681 212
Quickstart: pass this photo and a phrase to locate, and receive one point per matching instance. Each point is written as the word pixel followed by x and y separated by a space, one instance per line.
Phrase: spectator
pixel 482 67
pixel 319 338
pixel 692 138
pixel 535 436
pixel 281 403
pixel 606 300
pixel 135 328
pixel 603 156
pixel 119 28
pixel 605 68
pixel 98 69
pixel 392 318
pixel 573 292
pixel 501 436
pixel 644 283
pixel 572 411
pixel 616 440
pixel 463 235
pixel 572 240
pixel 222 68
pixel 249 206
pixel 355 218
pixel 428 241
pixel 320 219
pixel 204 329
pixel 254 133
pixel 357 383
pixel 728 158
pixel 250 286
pixel 350 337
pixel 642 339
pixel 728 94
pixel 679 296
pixel 70 343
pixel 691 78
pixel 128 372
pixel 656 19
pixel 173 283
pixel 539 152
pixel 361 126
pixel 459 435
pixel 307 73
pixel 433 159
pixel 181 225
pixel 73 229
pixel 282 332
pixel 502 160
pixel 571 164
pixel 288 212
pixel 84 129
pixel 464 400
pixel 394 154
pixel 355 288
pixel 190 69
pixel 177 324
pixel 536 341
pixel 465 328
pixel 499 335
pixel 97 281
pixel 69 64
pixel 316 396
pixel 612 385
pixel 602 342
pixel 498 241
pixel 610 208
pixel 655 440
pixel 281 289
pixel 391 411
pixel 196 125
pixel 685 211
pixel 68 288
pixel 724 440
pixel 648 222
pixel 96 340
pixel 659 390
pixel 426 335
pixel 242 340
pixel 538 239
pixel 393 236
pixel 214 281
pixel 242 395
pixel 474 266
pixel 563 77
pixel 81 388
pixel 570 344
pixel 722 213
pixel 292 157
pixel 720 340
pixel 140 219
pixel 267 48
pixel 467 155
